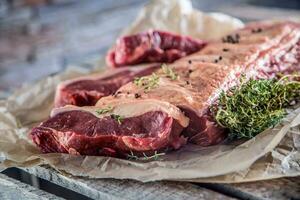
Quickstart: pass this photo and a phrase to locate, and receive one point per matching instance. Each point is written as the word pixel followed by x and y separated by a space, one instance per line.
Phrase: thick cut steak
pixel 259 50
pixel 151 126
pixel 151 46
pixel 86 91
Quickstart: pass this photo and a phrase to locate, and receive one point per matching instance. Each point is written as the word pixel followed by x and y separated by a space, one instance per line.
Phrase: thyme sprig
pixel 104 110
pixel 109 109
pixel 169 72
pixel 147 82
pixel 118 118
pixel 155 156
pixel 151 82
pixel 255 105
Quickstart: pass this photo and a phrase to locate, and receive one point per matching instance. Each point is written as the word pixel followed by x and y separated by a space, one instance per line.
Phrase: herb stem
pixel 155 156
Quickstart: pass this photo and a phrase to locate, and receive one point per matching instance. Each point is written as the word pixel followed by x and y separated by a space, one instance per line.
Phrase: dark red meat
pixel 66 133
pixel 203 130
pixel 152 46
pixel 88 90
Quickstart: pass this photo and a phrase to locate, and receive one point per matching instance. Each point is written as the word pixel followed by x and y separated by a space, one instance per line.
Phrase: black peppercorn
pixel 231 39
pixel 258 30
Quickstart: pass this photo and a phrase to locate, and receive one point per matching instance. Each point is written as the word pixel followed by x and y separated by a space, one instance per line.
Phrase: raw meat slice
pixel 86 91
pixel 151 46
pixel 145 130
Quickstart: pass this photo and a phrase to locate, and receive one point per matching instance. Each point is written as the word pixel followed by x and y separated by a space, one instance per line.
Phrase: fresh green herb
pixel 118 118
pixel 138 81
pixel 169 72
pixel 155 156
pixel 147 82
pixel 255 105
pixel 104 110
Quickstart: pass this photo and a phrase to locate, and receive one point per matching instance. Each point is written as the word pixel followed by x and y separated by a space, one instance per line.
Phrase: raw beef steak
pixel 86 91
pixel 151 46
pixel 87 131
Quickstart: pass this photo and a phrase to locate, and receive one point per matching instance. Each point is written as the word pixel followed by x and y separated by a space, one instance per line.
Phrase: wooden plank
pixel 11 189
pixel 277 189
pixel 126 189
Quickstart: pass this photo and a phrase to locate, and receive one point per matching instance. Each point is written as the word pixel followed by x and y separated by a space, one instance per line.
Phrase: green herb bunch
pixel 255 105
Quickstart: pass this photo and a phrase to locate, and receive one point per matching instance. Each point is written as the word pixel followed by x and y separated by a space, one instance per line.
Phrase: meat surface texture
pixel 84 131
pixel 86 91
pixel 163 110
pixel 151 46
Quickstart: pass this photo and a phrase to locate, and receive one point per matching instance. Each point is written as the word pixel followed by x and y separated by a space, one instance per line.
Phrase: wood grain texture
pixel 277 189
pixel 126 189
pixel 11 189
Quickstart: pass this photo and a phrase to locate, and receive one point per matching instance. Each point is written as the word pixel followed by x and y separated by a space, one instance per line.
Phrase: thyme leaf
pixel 104 110
pixel 147 82
pixel 169 72
pixel 118 118
pixel 108 109
pixel 255 105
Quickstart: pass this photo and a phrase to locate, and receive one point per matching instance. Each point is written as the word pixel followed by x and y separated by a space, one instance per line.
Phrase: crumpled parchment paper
pixel 272 154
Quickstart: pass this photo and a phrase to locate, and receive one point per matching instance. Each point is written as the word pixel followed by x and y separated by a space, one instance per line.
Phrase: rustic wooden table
pixel 42 39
